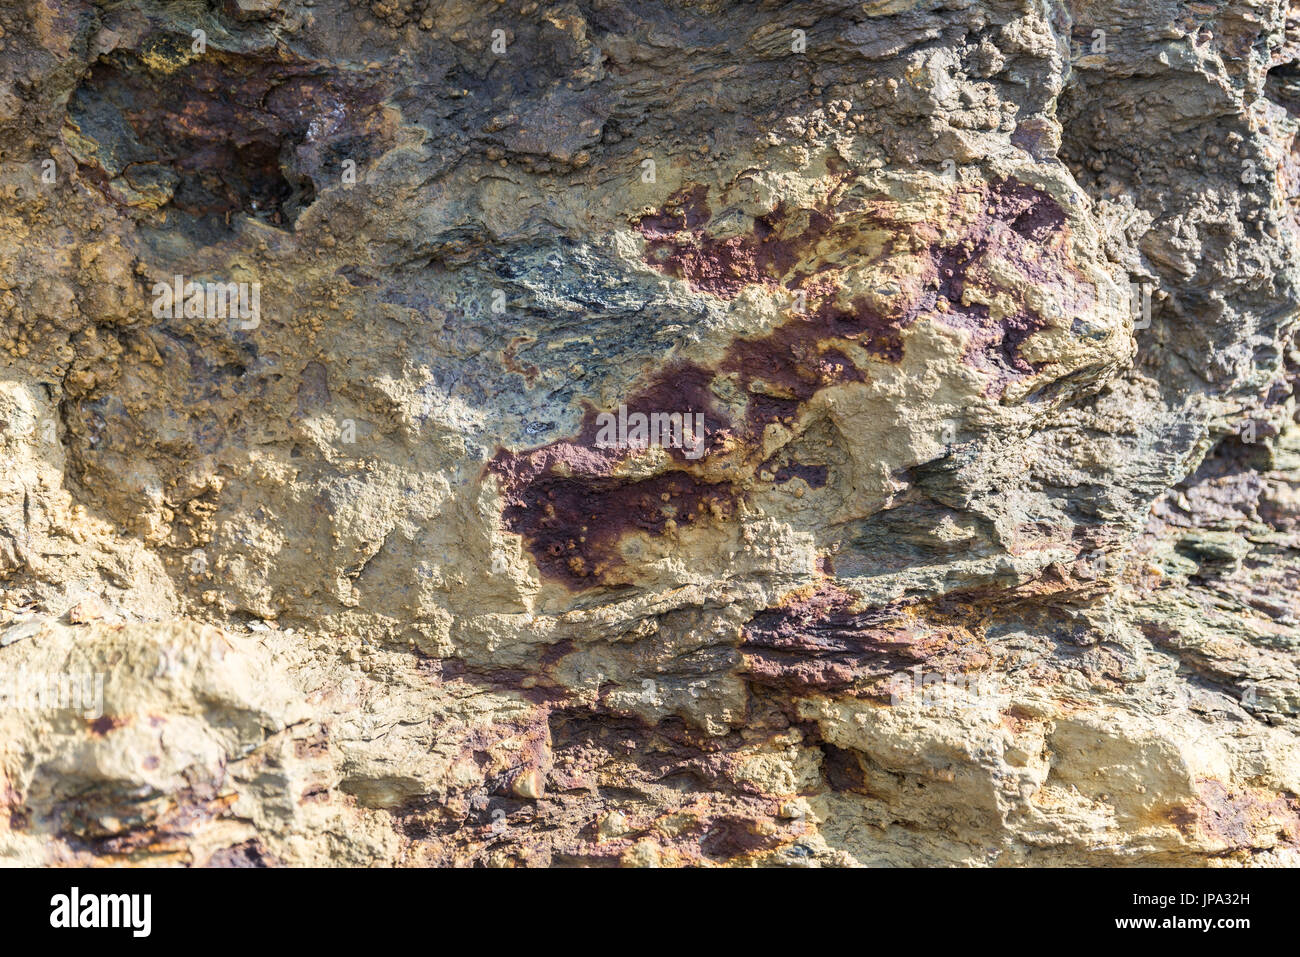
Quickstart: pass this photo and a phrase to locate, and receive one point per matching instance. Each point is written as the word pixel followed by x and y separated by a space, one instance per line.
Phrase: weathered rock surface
pixel 989 554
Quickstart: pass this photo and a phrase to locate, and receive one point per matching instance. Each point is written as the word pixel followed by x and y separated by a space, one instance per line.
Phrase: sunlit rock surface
pixel 987 554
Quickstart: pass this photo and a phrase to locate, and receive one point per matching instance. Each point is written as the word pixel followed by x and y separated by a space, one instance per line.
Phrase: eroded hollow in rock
pixel 216 135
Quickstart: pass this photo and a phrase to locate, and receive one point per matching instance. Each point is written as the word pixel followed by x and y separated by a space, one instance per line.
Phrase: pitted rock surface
pixel 991 555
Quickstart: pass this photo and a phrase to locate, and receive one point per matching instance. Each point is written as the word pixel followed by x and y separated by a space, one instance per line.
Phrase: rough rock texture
pixel 989 308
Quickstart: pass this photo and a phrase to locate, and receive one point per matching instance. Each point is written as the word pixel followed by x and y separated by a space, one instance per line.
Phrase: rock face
pixel 685 433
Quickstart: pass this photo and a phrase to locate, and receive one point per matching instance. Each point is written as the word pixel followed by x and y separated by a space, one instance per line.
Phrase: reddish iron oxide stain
pixel 510 360
pixel 732 836
pixel 1239 819
pixel 104 724
pixel 251 853
pixel 788 366
pixel 223 124
pixel 1016 224
pixel 564 498
pixel 677 245
pixel 820 642
pixel 573 523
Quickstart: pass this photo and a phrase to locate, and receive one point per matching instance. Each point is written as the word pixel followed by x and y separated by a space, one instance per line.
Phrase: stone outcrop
pixel 317 543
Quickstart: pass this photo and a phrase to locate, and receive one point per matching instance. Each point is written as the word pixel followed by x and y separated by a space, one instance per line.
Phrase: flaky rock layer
pixel 684 433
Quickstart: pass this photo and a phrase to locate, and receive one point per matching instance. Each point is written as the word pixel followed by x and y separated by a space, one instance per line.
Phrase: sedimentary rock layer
pixel 315 547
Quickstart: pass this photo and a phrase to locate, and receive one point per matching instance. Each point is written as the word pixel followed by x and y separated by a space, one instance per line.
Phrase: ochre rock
pixel 314 546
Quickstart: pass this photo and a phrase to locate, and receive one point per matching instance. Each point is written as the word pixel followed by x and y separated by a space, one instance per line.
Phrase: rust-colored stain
pixel 106 723
pixel 616 763
pixel 250 853
pixel 820 639
pixel 571 509
pixel 155 828
pixel 1240 819
pixel 510 359
pixel 1025 228
pixel 573 525
pixel 678 246
pixel 219 132
pixel 1017 224
pixel 565 500
pixel 572 512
